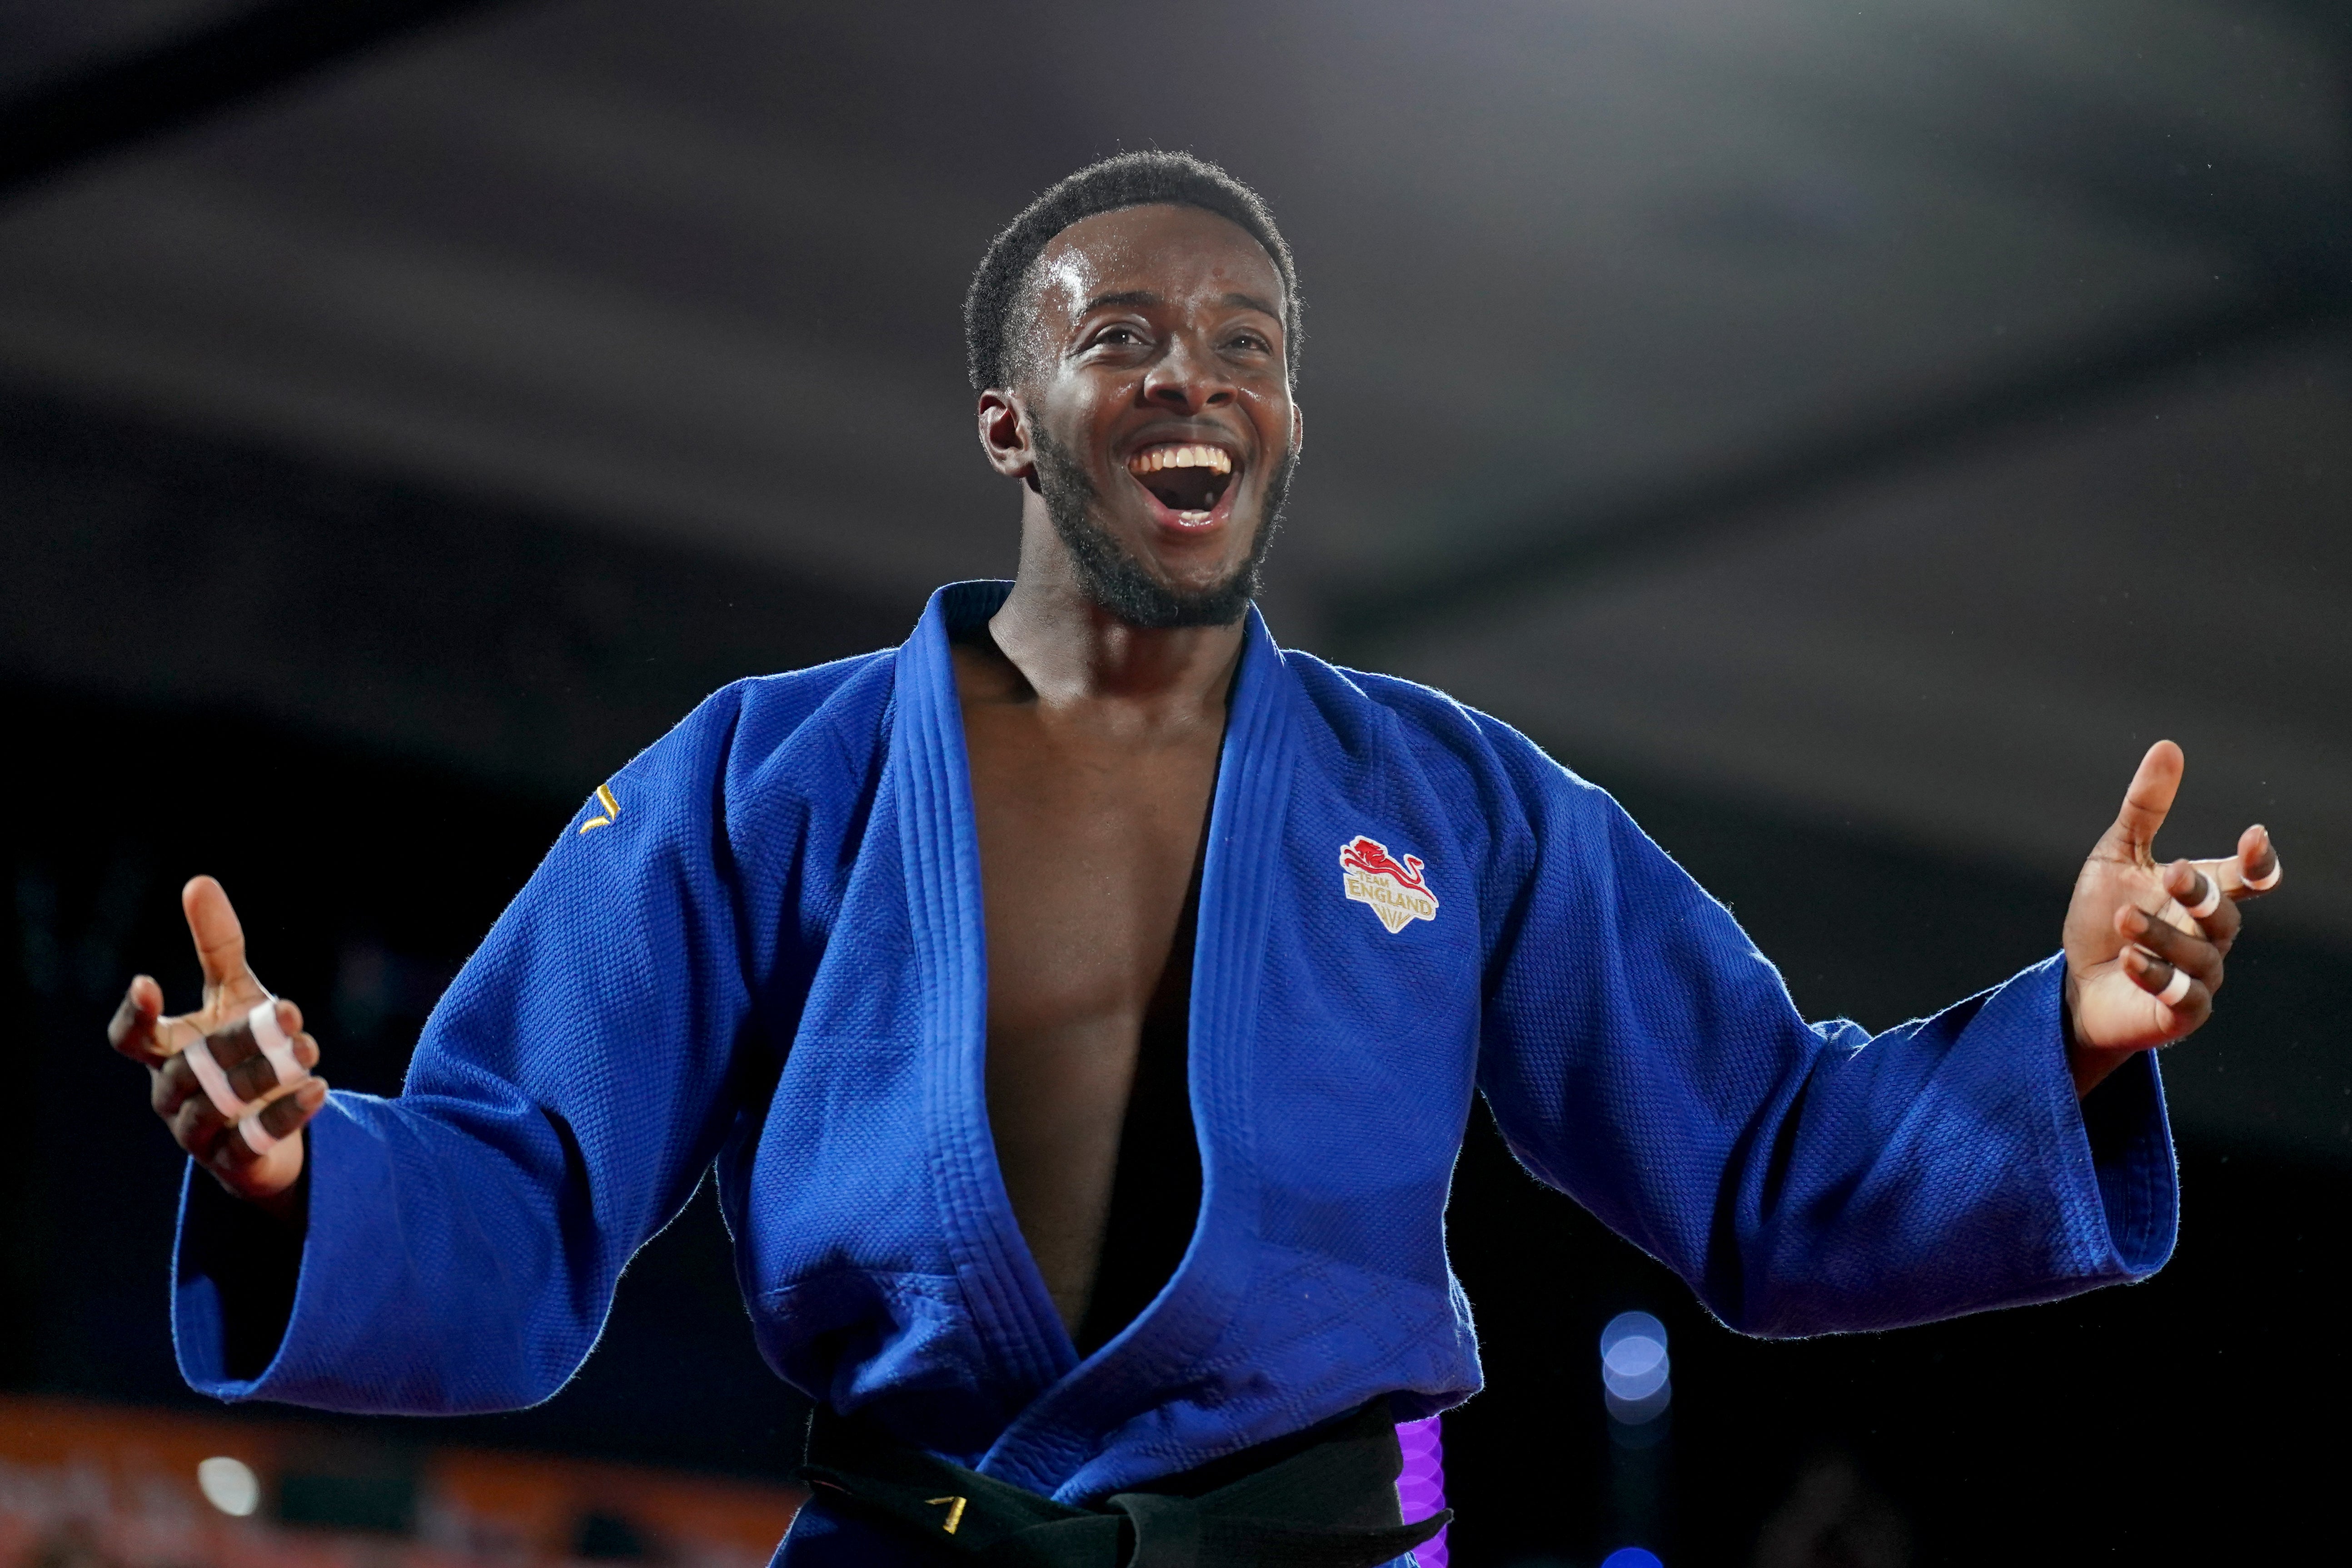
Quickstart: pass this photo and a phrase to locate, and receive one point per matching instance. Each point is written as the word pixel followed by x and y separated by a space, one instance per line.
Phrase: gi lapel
pixel 939 848
pixel 1157 1357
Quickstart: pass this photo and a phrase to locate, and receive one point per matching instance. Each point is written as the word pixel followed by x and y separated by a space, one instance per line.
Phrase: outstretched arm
pixel 456 1249
pixel 1640 1054
pixel 2144 942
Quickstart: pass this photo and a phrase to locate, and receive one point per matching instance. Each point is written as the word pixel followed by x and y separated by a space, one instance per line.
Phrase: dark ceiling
pixel 1897 414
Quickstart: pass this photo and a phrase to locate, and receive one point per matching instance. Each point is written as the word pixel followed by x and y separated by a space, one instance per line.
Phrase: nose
pixel 1188 377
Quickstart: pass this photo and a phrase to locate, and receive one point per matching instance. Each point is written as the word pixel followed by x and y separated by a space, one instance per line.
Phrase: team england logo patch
pixel 1398 893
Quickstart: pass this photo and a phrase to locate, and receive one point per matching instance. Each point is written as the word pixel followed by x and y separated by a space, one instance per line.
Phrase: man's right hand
pixel 139 1031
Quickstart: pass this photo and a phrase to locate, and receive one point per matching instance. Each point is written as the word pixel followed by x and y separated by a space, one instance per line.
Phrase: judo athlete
pixel 1083 1003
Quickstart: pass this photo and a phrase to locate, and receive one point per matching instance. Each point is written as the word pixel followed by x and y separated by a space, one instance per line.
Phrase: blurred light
pixel 229 1485
pixel 1637 1412
pixel 1632 1325
pixel 1420 1483
pixel 1631 1557
pixel 1634 1367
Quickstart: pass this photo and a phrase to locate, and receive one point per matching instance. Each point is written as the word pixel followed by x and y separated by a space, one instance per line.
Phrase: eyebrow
pixel 1146 297
pixel 1129 297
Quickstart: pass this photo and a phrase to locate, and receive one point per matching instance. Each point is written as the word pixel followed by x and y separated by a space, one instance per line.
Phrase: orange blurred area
pixel 93 1486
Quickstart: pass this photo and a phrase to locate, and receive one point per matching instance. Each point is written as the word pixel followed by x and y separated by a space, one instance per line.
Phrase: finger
pixel 169 1085
pixel 2257 865
pixel 132 1029
pixel 219 937
pixel 253 1063
pixel 197 1125
pixel 2161 939
pixel 2147 801
pixel 287 1113
pixel 2190 1001
pixel 2198 889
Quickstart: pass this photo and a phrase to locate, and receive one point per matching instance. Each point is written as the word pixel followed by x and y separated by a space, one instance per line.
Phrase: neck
pixel 1071 650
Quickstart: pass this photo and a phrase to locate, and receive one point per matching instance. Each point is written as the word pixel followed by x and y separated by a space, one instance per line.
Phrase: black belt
pixel 1326 1499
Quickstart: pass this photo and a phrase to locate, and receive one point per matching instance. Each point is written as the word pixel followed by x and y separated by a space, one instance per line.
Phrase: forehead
pixel 1176 252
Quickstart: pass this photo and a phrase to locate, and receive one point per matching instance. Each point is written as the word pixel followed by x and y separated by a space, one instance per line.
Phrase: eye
pixel 1117 337
pixel 1253 341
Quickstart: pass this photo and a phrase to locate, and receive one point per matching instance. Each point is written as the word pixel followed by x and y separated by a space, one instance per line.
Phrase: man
pixel 1084 1005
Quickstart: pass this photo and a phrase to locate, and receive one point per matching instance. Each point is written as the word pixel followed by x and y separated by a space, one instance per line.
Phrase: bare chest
pixel 1087 846
pixel 1086 850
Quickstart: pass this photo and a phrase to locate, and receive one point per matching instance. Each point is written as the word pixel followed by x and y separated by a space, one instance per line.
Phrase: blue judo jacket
pixel 771 954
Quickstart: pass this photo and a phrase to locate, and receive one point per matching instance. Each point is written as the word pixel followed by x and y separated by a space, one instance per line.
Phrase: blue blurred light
pixel 1635 1411
pixel 1635 1366
pixel 1631 1325
pixel 1631 1557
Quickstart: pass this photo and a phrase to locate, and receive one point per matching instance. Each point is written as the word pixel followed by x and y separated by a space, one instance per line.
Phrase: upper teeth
pixel 1152 461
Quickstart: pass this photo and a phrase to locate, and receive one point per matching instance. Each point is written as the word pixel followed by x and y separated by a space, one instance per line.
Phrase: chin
pixel 1143 595
pixel 1142 587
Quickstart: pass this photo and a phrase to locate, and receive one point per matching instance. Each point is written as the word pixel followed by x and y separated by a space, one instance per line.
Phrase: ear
pixel 1297 430
pixel 1004 434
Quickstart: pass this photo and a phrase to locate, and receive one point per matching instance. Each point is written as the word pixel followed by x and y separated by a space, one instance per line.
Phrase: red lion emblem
pixel 1374 859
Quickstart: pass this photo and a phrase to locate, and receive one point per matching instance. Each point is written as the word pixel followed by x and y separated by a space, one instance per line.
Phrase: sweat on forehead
pixel 1137 256
pixel 995 310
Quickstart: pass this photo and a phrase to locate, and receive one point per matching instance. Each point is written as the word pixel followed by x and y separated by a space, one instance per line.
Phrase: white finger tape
pixel 2264 883
pixel 274 1042
pixel 214 1082
pixel 256 1138
pixel 2206 906
pixel 2174 989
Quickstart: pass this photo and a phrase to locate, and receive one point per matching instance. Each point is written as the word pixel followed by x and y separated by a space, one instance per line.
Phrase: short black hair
pixel 1128 180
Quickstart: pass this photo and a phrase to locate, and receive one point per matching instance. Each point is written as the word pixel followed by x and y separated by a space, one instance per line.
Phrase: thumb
pixel 2147 801
pixel 219 938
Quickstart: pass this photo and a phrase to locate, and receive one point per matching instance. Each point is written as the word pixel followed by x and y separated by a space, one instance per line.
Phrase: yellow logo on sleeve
pixel 612 809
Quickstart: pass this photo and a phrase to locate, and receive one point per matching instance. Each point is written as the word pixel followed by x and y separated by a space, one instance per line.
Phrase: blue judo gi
pixel 771 954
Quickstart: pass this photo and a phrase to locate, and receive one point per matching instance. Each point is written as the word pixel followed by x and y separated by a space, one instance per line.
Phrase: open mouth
pixel 1189 480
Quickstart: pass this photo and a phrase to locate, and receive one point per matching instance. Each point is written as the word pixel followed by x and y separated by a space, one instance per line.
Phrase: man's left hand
pixel 2144 942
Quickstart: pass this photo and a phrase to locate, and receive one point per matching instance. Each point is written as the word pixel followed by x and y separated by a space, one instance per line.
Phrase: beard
pixel 1123 586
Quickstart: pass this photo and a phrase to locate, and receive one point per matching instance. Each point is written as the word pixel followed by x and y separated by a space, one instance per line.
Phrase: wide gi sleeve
pixel 1640 1054
pixel 464 1238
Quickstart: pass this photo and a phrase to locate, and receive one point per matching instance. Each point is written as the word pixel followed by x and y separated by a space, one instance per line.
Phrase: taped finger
pixel 214 1082
pixel 2179 944
pixel 2168 982
pixel 272 1121
pixel 2258 866
pixel 274 1043
pixel 2209 900
pixel 257 1138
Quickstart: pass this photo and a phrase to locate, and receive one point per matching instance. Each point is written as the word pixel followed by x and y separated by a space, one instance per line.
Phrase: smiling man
pixel 1084 1005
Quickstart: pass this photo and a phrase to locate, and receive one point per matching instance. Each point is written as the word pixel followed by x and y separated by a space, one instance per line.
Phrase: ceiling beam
pixel 59 127
pixel 1554 550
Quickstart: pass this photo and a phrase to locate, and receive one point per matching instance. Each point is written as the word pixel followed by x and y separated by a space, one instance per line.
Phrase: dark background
pixel 1849 434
